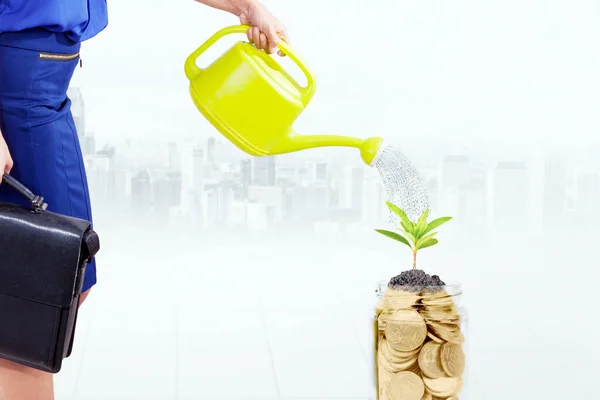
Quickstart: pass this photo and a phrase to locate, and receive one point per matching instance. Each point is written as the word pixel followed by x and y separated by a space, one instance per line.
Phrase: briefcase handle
pixel 37 202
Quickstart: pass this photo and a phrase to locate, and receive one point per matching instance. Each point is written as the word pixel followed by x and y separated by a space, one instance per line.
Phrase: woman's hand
pixel 6 162
pixel 266 30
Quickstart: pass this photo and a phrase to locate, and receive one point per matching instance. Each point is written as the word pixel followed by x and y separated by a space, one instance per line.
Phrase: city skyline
pixel 208 184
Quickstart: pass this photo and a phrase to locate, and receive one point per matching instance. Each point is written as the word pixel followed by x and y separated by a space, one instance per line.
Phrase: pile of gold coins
pixel 419 346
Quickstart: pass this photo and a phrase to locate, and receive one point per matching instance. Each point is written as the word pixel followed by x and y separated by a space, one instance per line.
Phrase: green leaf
pixel 407 227
pixel 423 217
pixel 408 235
pixel 421 224
pixel 435 223
pixel 420 229
pixel 425 238
pixel 427 243
pixel 399 212
pixel 394 236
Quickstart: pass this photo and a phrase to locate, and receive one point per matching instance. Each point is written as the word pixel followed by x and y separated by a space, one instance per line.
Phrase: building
pixel 197 169
pixel 77 108
pixel 511 197
pixel 455 176
pixel 86 139
pixel 321 171
pixel 475 207
pixel 554 197
pixel 245 177
pixel 374 208
pixel 217 199
pixel 211 149
pixel 307 203
pixel 586 192
pixel 272 198
pixel 190 160
pixel 264 171
pixel 174 156
pixel 343 182
pixel 141 193
pixel 357 188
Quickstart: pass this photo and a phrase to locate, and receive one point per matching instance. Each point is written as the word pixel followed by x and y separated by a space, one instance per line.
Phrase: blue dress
pixel 39 51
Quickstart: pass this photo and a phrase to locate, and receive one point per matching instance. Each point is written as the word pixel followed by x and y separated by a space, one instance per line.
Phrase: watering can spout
pixel 369 148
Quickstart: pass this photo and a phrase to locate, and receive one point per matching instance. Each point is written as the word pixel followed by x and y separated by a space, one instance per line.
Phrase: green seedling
pixel 416 235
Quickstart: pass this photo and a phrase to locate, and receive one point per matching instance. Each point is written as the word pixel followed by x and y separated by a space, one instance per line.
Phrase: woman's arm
pixel 235 7
pixel 265 31
pixel 6 162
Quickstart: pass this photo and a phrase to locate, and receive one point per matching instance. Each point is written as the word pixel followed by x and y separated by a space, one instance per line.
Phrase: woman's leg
pixel 37 124
pixel 18 382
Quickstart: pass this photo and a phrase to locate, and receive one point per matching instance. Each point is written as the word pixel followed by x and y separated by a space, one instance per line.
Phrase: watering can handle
pixel 192 70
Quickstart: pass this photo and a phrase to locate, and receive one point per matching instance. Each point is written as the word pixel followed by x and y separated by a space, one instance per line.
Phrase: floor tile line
pixel 263 321
pixel 176 352
pixel 364 352
pixel 321 398
pixel 83 350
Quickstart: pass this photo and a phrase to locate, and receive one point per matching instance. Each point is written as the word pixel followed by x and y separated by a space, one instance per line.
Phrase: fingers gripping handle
pixel 192 70
pixel 37 202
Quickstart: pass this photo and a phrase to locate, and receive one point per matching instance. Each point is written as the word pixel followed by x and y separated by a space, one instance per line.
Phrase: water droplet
pixel 403 184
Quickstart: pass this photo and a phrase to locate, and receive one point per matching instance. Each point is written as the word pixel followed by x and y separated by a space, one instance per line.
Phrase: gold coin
pixel 440 319
pixel 376 339
pixel 452 359
pixel 440 298
pixel 403 355
pixel 443 387
pixel 406 386
pixel 382 320
pixel 445 325
pixel 429 360
pixel 381 356
pixel 406 330
pixel 426 396
pixel 444 315
pixel 435 338
pixel 397 300
pixel 448 309
pixel 400 362
pixel 438 301
pixel 384 380
pixel 447 305
pixel 433 295
pixel 415 368
pixel 397 315
pixel 449 334
pixel 393 364
pixel 409 365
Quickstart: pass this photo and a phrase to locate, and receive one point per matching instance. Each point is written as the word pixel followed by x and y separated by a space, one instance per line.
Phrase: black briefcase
pixel 43 256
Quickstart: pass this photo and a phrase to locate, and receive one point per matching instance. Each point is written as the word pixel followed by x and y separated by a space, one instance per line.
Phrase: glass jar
pixel 419 343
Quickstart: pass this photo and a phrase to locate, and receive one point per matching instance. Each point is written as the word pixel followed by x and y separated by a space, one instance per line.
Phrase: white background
pixel 178 318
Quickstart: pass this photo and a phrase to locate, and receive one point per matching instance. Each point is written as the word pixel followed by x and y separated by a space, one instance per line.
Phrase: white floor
pixel 234 321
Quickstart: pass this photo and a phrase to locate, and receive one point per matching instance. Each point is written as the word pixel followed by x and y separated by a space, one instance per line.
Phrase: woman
pixel 39 50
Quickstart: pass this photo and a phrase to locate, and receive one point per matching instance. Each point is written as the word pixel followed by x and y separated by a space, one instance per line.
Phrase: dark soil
pixel 416 280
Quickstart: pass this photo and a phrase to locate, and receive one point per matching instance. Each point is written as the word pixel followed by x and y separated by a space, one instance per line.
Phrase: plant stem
pixel 415 259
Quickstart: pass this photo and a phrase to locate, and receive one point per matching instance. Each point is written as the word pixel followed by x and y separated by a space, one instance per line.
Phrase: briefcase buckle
pixel 38 205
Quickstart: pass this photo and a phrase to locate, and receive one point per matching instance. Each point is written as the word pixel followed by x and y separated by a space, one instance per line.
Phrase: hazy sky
pixel 522 70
